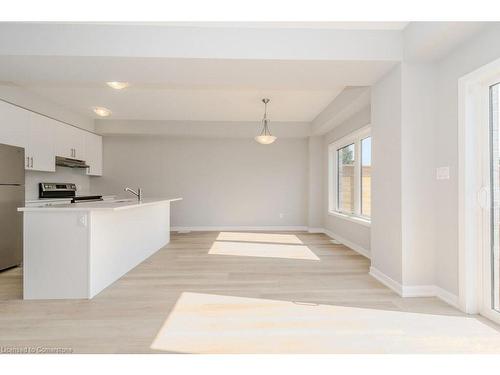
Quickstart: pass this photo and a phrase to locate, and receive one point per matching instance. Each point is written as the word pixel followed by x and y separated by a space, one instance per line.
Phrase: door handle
pixel 31 162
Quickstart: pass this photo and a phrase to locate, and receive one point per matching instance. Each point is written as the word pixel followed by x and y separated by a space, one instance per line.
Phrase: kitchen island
pixel 77 250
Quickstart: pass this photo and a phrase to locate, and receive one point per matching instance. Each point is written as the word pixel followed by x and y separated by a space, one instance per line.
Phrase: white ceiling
pixel 193 104
pixel 212 71
pixel 190 89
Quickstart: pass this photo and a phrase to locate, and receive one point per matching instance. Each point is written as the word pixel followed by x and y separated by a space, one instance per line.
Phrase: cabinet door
pixel 78 138
pixel 13 125
pixel 41 146
pixel 94 154
pixel 64 144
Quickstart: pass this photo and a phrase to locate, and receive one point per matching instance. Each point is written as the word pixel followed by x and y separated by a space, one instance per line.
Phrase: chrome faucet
pixel 137 193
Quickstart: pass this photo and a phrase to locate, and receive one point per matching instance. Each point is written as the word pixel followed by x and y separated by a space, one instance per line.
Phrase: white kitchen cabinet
pixel 13 124
pixel 70 141
pixel 39 146
pixel 33 132
pixel 93 150
pixel 44 138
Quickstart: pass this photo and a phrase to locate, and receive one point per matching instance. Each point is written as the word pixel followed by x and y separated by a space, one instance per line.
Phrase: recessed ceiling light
pixel 101 111
pixel 117 85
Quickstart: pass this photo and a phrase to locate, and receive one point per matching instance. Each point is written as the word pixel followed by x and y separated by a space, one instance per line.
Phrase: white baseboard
pixel 239 228
pixel 415 290
pixel 445 296
pixel 357 248
pixel 403 291
pixel 387 281
pixel 419 291
pixel 315 230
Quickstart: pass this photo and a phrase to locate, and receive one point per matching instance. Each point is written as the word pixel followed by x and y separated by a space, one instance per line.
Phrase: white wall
pixel 418 182
pixel 479 51
pixel 386 225
pixel 315 188
pixel 224 182
pixel 353 232
pixel 403 231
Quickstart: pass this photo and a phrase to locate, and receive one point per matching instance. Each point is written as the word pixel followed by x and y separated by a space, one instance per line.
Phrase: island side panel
pixel 55 264
pixel 122 239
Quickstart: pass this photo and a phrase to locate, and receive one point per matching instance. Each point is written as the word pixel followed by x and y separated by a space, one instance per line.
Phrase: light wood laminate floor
pixel 180 299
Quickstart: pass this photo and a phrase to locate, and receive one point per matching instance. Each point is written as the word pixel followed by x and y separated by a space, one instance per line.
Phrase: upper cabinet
pixel 39 146
pixel 23 128
pixel 70 142
pixel 93 147
pixel 13 124
pixel 44 138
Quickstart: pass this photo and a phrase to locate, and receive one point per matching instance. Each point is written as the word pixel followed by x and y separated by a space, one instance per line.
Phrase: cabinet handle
pixel 31 162
pixel 27 161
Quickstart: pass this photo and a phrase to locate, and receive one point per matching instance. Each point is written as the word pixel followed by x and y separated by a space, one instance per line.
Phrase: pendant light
pixel 265 137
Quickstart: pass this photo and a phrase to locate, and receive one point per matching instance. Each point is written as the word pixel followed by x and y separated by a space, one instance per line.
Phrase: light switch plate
pixel 443 173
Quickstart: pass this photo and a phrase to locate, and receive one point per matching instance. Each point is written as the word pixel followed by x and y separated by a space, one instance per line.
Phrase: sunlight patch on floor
pixel 265 250
pixel 207 323
pixel 259 237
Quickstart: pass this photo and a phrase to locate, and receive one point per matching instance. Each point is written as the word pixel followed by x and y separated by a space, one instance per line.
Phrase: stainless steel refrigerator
pixel 11 197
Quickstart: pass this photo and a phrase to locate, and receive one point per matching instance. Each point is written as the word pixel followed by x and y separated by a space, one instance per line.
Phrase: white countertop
pixel 49 200
pixel 109 205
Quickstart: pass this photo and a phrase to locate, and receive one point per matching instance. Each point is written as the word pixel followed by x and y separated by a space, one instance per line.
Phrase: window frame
pixel 333 170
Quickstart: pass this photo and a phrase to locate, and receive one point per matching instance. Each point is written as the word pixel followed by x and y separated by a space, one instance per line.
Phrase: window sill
pixel 354 219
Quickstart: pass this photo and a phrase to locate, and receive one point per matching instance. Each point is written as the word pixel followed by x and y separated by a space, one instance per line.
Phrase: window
pixel 350 161
pixel 345 179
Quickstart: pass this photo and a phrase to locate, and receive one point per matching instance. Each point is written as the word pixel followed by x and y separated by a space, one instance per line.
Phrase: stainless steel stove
pixel 64 190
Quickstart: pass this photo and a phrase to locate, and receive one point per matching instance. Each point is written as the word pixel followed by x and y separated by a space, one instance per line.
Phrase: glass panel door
pixel 494 257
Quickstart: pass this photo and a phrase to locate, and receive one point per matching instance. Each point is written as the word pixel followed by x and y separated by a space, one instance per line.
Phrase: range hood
pixel 61 161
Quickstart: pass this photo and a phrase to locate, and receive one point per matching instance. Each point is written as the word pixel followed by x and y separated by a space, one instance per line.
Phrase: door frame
pixel 474 188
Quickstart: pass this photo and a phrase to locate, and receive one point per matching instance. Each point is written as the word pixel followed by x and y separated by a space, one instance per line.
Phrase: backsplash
pixel 62 174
